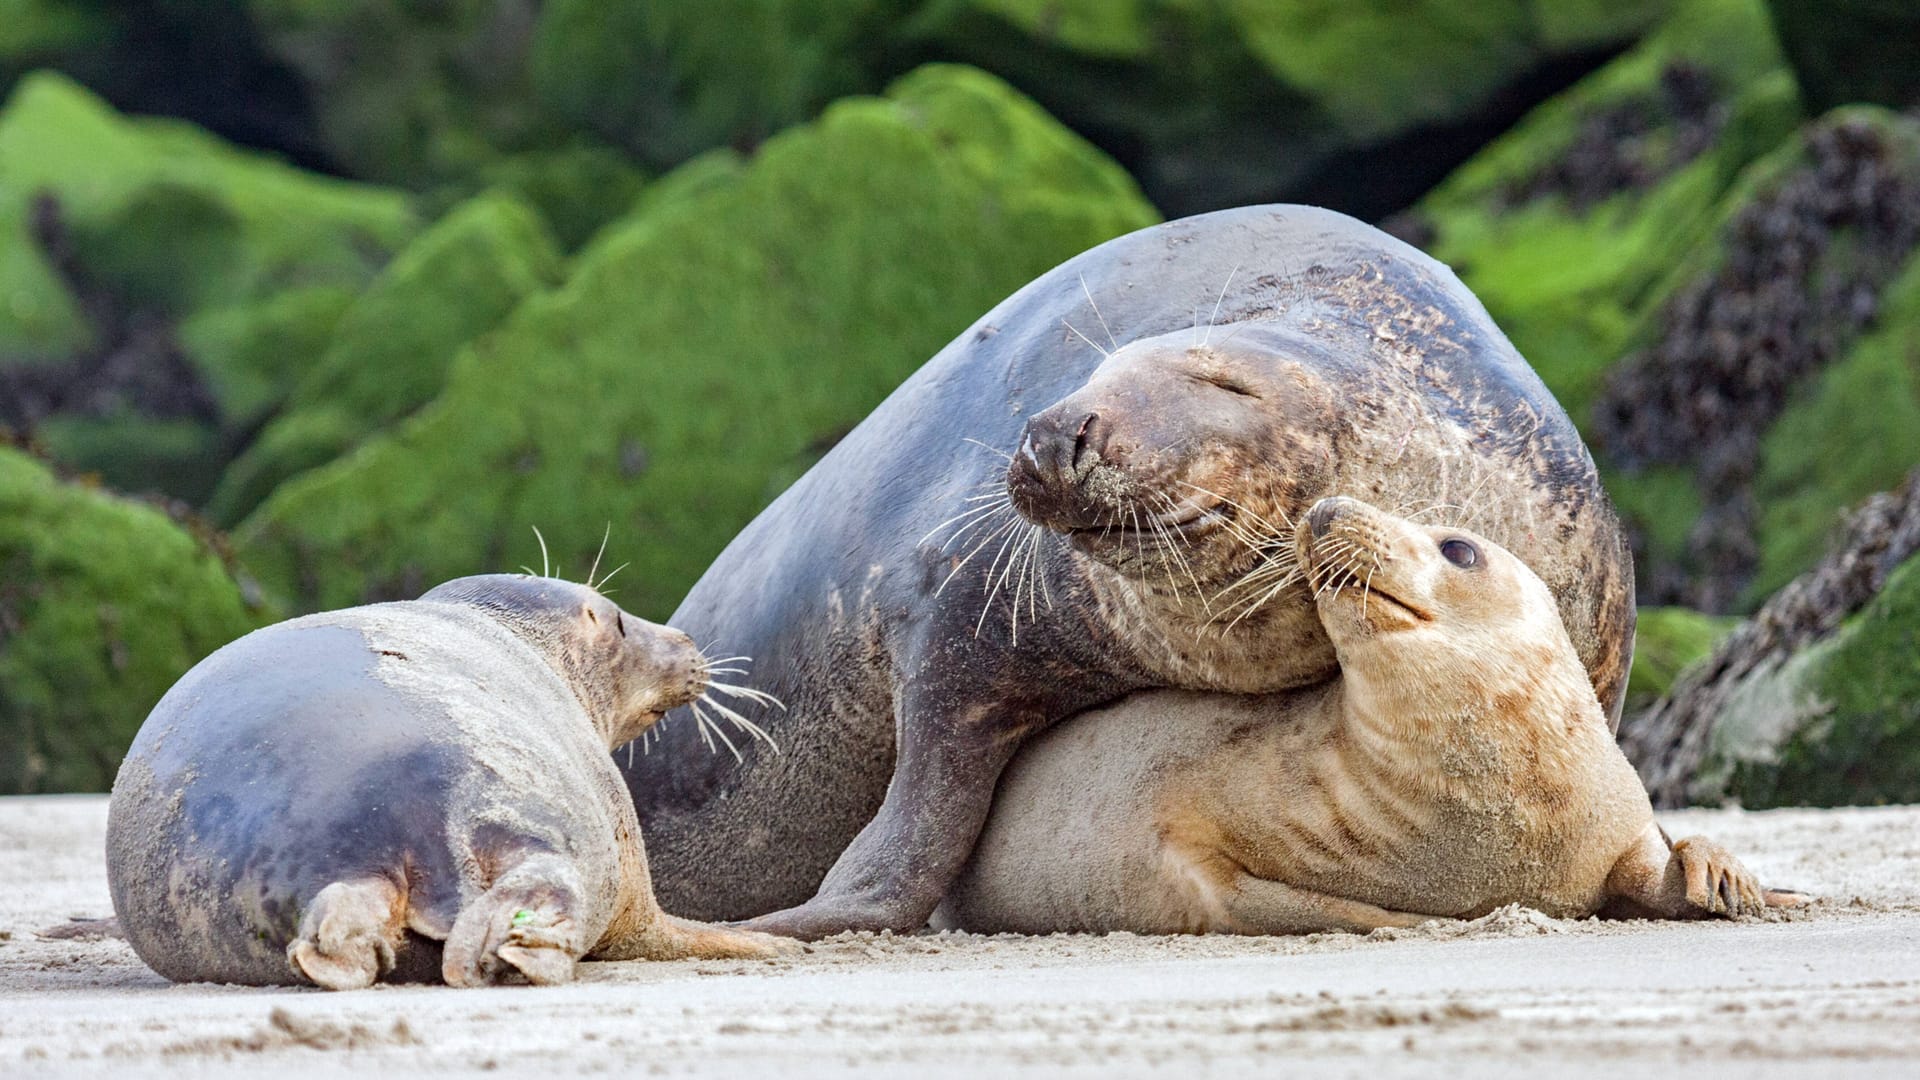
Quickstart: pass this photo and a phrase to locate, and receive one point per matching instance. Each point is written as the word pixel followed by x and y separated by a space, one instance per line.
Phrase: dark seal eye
pixel 620 624
pixel 1460 553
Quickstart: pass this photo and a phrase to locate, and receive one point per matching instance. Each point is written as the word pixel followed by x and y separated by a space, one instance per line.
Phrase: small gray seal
pixel 1461 762
pixel 403 791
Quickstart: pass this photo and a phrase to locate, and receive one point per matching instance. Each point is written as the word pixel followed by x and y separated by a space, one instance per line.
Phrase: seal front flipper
pixel 896 870
pixel 1258 906
pixel 1693 878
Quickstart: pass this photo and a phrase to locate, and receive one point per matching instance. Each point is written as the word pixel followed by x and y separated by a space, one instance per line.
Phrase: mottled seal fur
pixel 1461 762
pixel 1088 493
pixel 332 798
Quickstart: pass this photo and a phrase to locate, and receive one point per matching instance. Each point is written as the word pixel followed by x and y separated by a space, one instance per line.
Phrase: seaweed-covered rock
pixel 1816 699
pixel 1853 50
pixel 1208 102
pixel 1568 226
pixel 410 94
pixel 390 352
pixel 705 350
pixel 1812 245
pixel 1666 641
pixel 104 602
pixel 165 215
pixel 155 278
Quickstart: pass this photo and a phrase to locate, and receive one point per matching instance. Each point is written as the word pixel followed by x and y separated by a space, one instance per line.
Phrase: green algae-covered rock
pixel 1780 347
pixel 705 350
pixel 104 603
pixel 1815 700
pixel 390 351
pixel 165 216
pixel 1212 101
pixel 1569 226
pixel 1665 641
pixel 409 93
pixel 1851 430
pixel 1853 50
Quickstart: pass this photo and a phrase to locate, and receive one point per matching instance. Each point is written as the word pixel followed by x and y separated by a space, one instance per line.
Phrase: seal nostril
pixel 1087 442
pixel 1320 518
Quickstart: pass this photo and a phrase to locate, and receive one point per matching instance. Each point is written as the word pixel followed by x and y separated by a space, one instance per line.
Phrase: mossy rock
pixel 1836 723
pixel 411 94
pixel 1853 431
pixel 166 216
pixel 1665 641
pixel 390 351
pixel 705 350
pixel 104 603
pixel 1570 271
pixel 1210 102
pixel 1853 50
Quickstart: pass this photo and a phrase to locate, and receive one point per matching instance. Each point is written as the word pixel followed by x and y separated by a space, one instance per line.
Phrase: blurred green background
pixel 310 303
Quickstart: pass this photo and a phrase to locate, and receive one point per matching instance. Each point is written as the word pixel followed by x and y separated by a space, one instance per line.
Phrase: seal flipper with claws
pixel 406 791
pixel 920 627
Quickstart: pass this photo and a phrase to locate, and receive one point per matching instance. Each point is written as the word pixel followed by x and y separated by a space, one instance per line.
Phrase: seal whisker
pixel 1003 527
pixel 707 724
pixel 994 589
pixel 759 697
pixel 546 564
pixel 741 723
pixel 605 535
pixel 1004 514
pixel 1096 313
pixel 609 577
pixel 989 449
pixel 970 512
pixel 1085 338
pixel 1217 302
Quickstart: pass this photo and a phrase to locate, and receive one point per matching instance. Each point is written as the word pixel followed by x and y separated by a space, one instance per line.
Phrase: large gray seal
pixel 1459 763
pixel 1090 492
pixel 405 791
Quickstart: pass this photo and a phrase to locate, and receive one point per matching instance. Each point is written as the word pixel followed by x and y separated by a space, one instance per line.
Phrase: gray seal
pixel 406 791
pixel 1091 492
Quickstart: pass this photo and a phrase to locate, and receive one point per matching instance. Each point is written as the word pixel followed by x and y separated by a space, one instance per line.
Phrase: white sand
pixel 1833 991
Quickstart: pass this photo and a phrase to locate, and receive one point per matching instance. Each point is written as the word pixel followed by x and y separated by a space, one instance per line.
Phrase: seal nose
pixel 1320 518
pixel 1057 452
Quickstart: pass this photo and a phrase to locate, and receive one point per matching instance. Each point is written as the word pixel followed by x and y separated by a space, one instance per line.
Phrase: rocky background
pixel 308 303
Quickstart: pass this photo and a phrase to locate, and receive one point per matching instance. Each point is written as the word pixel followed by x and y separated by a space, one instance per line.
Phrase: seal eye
pixel 620 624
pixel 1460 553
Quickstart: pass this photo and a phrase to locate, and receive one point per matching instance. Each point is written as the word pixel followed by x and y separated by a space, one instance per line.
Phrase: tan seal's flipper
pixel 1693 878
pixel 348 934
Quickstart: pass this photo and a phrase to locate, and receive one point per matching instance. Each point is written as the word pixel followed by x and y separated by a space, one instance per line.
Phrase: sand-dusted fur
pixel 1078 499
pixel 408 791
pixel 1461 762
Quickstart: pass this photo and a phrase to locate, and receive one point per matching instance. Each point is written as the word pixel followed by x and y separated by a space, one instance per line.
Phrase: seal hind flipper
pixel 349 934
pixel 526 924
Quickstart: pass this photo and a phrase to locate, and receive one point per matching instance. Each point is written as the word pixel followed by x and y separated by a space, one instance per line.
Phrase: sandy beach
pixel 1831 991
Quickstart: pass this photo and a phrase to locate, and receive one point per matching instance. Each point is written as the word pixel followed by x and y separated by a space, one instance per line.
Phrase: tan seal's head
pixel 627 672
pixel 1433 618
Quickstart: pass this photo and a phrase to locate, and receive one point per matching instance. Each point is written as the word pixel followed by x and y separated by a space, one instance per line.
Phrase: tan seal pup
pixel 1460 762
pixel 403 790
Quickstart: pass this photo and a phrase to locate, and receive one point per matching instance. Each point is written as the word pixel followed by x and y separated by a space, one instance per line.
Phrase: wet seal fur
pixel 403 791
pixel 1460 763
pixel 1089 493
